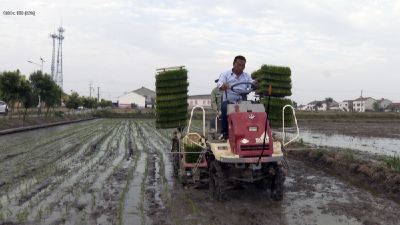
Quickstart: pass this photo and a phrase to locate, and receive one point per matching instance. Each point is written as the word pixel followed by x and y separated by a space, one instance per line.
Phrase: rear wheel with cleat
pixel 217 181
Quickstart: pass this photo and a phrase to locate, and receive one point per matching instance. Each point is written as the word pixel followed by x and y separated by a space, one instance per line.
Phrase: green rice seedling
pixel 67 210
pixel 195 209
pixel 39 212
pixel 192 157
pixel 19 215
pixel 26 213
pixel 9 213
pixel 1 216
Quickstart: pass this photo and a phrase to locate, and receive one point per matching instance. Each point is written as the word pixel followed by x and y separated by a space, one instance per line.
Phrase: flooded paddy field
pixel 119 171
pixel 371 140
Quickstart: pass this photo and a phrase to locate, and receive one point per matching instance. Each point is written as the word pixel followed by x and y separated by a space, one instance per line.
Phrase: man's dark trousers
pixel 224 117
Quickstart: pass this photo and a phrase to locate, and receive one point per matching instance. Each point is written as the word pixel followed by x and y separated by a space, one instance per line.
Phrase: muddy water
pixel 374 145
pixel 311 195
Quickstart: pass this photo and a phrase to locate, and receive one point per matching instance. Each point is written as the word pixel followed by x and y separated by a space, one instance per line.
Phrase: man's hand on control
pixel 255 82
pixel 224 86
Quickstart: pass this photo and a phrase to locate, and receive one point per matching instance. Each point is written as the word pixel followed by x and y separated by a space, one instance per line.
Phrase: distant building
pixel 311 105
pixel 384 103
pixel 142 97
pixel 363 104
pixel 346 105
pixel 126 100
pixel 395 107
pixel 302 107
pixel 149 95
pixel 202 100
pixel 335 107
pixel 323 107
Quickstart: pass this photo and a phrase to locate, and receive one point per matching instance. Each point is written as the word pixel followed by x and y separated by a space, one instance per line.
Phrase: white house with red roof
pixel 302 107
pixel 346 105
pixel 393 107
pixel 384 103
pixel 334 107
pixel 311 105
pixel 363 104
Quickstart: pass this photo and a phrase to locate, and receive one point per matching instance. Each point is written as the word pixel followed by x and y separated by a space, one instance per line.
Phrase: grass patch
pixel 392 162
pixel 320 153
pixel 301 143
pixel 348 156
pixel 58 114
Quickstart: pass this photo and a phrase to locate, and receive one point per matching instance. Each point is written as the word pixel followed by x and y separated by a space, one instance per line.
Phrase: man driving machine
pixel 227 80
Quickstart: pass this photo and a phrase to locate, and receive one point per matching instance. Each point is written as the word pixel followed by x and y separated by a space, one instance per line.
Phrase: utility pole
pixel 98 94
pixel 90 89
pixel 42 63
pixel 361 102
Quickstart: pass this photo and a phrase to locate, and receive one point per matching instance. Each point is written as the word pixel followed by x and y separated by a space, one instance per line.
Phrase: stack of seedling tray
pixel 275 111
pixel 171 98
pixel 279 78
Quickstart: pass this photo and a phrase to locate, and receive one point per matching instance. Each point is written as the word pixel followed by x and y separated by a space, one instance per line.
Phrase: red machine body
pixel 246 131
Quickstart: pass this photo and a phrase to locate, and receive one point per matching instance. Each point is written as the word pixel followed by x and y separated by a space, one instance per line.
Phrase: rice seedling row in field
pixel 150 141
pixel 82 166
pixel 130 174
pixel 71 174
pixel 116 170
pixel 43 169
pixel 38 142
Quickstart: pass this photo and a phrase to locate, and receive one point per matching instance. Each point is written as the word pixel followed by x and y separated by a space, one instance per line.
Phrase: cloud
pixel 353 40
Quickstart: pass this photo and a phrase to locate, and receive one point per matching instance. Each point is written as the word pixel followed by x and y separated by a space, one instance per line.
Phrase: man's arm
pixel 222 82
pixel 249 79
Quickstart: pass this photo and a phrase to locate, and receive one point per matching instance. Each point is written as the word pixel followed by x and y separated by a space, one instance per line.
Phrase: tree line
pixel 74 102
pixel 16 88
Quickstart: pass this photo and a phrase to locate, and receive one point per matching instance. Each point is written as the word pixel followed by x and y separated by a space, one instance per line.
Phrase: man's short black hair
pixel 239 57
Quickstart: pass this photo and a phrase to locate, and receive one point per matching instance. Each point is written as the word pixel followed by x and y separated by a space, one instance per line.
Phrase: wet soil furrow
pixel 56 198
pixel 50 183
pixel 33 156
pixel 158 193
pixel 31 176
pixel 131 206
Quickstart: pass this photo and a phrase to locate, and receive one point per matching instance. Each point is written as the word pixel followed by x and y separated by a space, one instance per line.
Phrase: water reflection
pixel 382 146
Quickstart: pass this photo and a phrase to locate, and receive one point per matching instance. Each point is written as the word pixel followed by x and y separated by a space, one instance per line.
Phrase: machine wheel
pixel 217 181
pixel 175 162
pixel 280 177
pixel 175 156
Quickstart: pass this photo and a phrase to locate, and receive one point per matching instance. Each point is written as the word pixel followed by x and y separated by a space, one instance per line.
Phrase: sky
pixel 334 48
